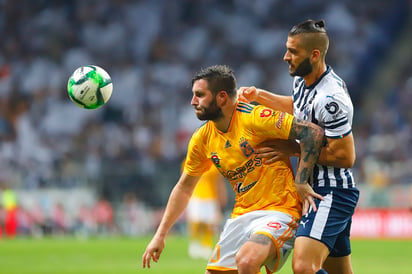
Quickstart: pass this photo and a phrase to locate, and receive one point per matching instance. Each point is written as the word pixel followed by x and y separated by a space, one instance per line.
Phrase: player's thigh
pixel 259 249
pixel 220 272
pixel 338 265
pixel 309 251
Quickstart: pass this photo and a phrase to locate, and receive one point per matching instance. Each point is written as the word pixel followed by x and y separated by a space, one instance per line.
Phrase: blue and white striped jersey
pixel 326 103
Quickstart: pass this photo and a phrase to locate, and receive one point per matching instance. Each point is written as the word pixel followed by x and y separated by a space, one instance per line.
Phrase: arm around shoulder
pixel 267 98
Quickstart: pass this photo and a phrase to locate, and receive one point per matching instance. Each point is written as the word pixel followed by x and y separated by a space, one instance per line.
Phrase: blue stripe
pixel 337 125
pixel 349 177
pixel 315 175
pixel 300 94
pixel 339 180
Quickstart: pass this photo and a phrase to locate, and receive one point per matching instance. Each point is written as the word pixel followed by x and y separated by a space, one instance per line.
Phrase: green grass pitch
pixel 123 256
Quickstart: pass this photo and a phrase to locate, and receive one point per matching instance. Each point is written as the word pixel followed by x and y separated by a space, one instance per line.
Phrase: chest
pixel 233 153
pixel 304 104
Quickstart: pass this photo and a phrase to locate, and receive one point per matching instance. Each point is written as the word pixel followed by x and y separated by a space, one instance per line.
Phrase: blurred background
pixel 109 171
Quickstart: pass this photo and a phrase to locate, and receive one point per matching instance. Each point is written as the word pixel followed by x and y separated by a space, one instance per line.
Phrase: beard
pixel 211 112
pixel 303 69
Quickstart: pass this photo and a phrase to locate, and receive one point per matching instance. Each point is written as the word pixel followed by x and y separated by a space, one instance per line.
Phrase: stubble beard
pixel 211 112
pixel 303 69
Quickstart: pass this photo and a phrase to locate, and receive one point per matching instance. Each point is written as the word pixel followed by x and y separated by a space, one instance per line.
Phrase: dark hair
pixel 308 26
pixel 314 35
pixel 218 77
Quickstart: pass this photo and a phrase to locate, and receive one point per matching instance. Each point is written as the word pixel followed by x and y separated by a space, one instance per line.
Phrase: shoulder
pixel 332 89
pixel 203 131
pixel 243 107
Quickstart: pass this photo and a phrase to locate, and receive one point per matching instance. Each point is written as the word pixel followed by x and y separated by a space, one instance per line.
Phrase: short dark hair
pixel 218 77
pixel 308 26
pixel 314 35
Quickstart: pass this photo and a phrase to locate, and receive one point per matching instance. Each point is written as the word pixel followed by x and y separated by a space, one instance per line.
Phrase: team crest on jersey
pixel 241 189
pixel 245 147
pixel 215 159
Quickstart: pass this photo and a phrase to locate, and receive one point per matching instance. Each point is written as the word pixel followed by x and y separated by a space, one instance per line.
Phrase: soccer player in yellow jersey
pixel 265 216
pixel 204 213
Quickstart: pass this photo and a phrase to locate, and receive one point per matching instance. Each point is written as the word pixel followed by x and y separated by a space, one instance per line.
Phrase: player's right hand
pixel 307 196
pixel 153 251
pixel 247 94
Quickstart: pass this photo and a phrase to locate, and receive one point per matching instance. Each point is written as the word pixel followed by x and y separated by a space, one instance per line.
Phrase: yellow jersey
pixel 207 186
pixel 257 186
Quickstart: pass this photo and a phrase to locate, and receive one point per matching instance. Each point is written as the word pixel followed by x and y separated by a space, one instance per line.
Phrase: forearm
pixel 310 141
pixel 178 200
pixel 274 101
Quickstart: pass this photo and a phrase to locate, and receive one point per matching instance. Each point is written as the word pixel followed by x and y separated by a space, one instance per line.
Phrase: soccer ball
pixel 90 87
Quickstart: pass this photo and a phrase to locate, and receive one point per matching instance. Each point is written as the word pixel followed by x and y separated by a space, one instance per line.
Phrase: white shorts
pixel 203 211
pixel 279 226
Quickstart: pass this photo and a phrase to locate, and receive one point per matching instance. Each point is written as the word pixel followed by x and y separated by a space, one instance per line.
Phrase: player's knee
pixel 247 264
pixel 303 267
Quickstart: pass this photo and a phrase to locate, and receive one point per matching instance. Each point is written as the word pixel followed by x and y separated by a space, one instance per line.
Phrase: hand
pixel 153 251
pixel 307 196
pixel 276 150
pixel 247 94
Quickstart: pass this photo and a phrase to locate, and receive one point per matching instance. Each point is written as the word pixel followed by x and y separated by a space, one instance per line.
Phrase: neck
pixel 223 122
pixel 315 74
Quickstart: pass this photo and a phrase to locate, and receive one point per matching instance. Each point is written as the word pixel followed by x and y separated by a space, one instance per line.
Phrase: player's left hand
pixel 307 196
pixel 153 251
pixel 276 150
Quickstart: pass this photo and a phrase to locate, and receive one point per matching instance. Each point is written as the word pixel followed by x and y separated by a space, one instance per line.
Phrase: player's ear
pixel 315 55
pixel 221 98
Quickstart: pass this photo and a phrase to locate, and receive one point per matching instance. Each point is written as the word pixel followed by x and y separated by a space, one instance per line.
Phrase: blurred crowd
pixel 151 49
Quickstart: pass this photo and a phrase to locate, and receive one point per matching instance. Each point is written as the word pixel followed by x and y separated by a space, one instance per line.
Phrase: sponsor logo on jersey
pixel 242 171
pixel 241 189
pixel 266 112
pixel 280 120
pixel 332 107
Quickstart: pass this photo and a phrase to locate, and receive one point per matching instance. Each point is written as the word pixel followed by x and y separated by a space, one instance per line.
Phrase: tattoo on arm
pixel 311 139
pixel 260 239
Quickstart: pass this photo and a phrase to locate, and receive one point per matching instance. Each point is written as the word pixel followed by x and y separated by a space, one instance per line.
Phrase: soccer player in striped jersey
pixel 320 96
pixel 265 216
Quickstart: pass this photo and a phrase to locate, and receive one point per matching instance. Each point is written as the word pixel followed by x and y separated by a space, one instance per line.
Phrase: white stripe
pixel 321 217
pixel 320 176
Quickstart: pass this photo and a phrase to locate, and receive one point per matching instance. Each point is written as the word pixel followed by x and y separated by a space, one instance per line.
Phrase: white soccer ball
pixel 90 87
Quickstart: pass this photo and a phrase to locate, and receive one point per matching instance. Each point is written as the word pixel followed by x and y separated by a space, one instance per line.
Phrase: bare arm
pixel 339 152
pixel 178 200
pixel 266 98
pixel 310 138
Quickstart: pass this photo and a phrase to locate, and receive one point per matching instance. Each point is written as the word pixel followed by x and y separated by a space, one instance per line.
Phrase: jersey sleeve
pixel 271 124
pixel 334 113
pixel 196 159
